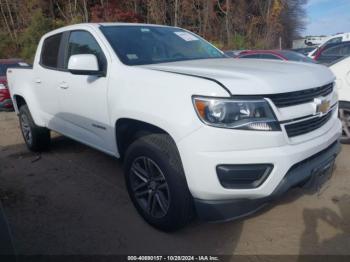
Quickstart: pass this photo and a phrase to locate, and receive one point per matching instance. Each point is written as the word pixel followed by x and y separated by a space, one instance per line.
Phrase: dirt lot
pixel 72 200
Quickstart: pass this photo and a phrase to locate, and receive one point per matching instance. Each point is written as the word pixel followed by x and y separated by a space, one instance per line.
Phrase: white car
pixel 329 40
pixel 200 134
pixel 341 70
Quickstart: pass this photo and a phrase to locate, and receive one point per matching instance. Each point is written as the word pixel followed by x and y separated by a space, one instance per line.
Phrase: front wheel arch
pixel 127 130
pixel 160 149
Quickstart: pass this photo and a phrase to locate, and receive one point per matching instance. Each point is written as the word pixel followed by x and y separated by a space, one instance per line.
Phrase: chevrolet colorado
pixel 199 134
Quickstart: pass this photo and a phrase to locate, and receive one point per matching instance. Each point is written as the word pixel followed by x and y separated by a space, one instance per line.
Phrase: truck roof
pixel 96 25
pixel 128 24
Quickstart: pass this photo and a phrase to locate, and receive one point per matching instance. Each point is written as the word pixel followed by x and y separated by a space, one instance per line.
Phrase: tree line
pixel 229 24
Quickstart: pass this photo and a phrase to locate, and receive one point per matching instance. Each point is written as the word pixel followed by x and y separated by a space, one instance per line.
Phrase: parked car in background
pixel 286 55
pixel 330 53
pixel 314 40
pixel 341 70
pixel 305 50
pixel 338 38
pixel 5 99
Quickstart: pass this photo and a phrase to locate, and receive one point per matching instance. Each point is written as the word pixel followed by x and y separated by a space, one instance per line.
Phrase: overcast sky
pixel 327 17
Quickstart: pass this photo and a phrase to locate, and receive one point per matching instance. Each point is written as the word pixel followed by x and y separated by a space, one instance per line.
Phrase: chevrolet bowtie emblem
pixel 322 105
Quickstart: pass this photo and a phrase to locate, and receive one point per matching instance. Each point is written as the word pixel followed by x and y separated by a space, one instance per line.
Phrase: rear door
pixel 46 78
pixel 83 98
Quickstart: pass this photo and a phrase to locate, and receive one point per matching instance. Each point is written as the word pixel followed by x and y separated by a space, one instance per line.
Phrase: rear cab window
pixel 50 52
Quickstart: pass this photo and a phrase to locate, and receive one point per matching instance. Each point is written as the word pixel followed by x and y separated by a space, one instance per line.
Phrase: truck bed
pixel 18 79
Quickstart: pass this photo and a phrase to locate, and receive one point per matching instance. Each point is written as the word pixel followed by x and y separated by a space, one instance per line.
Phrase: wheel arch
pixel 21 99
pixel 18 102
pixel 127 130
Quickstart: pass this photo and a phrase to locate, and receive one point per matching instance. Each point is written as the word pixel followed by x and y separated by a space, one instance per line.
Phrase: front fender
pixel 159 98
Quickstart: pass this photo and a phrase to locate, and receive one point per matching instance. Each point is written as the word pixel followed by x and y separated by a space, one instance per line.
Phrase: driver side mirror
pixel 84 64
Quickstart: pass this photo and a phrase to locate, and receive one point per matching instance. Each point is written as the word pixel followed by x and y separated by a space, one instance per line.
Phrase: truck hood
pixel 253 76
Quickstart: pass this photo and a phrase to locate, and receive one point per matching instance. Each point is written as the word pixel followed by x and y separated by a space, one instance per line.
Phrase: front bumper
pixel 222 210
pixel 206 148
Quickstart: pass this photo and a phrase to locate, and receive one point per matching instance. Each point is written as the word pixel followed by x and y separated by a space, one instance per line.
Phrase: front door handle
pixel 38 81
pixel 64 85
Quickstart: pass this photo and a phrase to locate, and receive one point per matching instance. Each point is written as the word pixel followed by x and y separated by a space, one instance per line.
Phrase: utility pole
pixel 176 10
pixel 280 42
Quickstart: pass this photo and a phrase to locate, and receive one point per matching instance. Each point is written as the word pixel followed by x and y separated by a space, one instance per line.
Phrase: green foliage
pixel 229 24
pixel 238 42
pixel 8 47
pixel 30 37
pixel 218 44
pixel 259 44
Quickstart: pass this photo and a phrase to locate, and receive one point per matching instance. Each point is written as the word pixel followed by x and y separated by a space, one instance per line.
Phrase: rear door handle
pixel 64 85
pixel 38 81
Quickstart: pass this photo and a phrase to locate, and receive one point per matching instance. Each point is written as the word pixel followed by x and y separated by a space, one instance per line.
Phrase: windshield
pixel 141 45
pixel 4 67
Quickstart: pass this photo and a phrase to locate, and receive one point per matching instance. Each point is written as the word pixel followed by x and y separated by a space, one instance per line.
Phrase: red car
pixel 276 55
pixel 5 99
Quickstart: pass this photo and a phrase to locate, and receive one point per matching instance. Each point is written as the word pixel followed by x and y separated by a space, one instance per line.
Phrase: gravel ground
pixel 72 200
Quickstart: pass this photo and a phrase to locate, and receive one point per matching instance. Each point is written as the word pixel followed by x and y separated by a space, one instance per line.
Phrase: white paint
pixel 341 70
pixel 75 105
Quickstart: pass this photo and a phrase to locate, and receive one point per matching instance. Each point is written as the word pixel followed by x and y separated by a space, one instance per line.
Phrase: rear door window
pixel 50 51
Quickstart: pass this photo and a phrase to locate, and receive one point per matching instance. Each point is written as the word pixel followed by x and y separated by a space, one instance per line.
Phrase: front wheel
pixel 156 182
pixel 37 138
pixel 344 115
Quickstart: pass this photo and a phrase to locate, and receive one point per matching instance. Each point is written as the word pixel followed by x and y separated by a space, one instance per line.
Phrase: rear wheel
pixel 344 115
pixel 156 182
pixel 37 138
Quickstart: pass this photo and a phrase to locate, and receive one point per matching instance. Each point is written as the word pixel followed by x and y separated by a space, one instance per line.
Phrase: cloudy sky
pixel 327 17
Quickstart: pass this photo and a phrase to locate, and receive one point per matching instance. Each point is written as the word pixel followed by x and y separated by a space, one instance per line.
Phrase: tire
pixel 36 138
pixel 344 116
pixel 154 174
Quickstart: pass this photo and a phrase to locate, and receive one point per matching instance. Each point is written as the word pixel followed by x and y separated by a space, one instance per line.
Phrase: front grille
pixel 300 97
pixel 307 126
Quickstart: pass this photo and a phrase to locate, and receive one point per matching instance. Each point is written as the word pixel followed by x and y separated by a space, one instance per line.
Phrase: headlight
pixel 2 86
pixel 238 114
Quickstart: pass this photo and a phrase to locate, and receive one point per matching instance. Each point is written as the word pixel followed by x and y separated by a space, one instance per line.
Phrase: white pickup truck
pixel 200 134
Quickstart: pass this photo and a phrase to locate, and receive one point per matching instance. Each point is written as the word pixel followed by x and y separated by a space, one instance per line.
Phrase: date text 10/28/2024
pixel 173 258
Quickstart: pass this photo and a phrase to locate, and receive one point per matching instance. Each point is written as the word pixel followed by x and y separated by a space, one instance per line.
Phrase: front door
pixel 83 98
